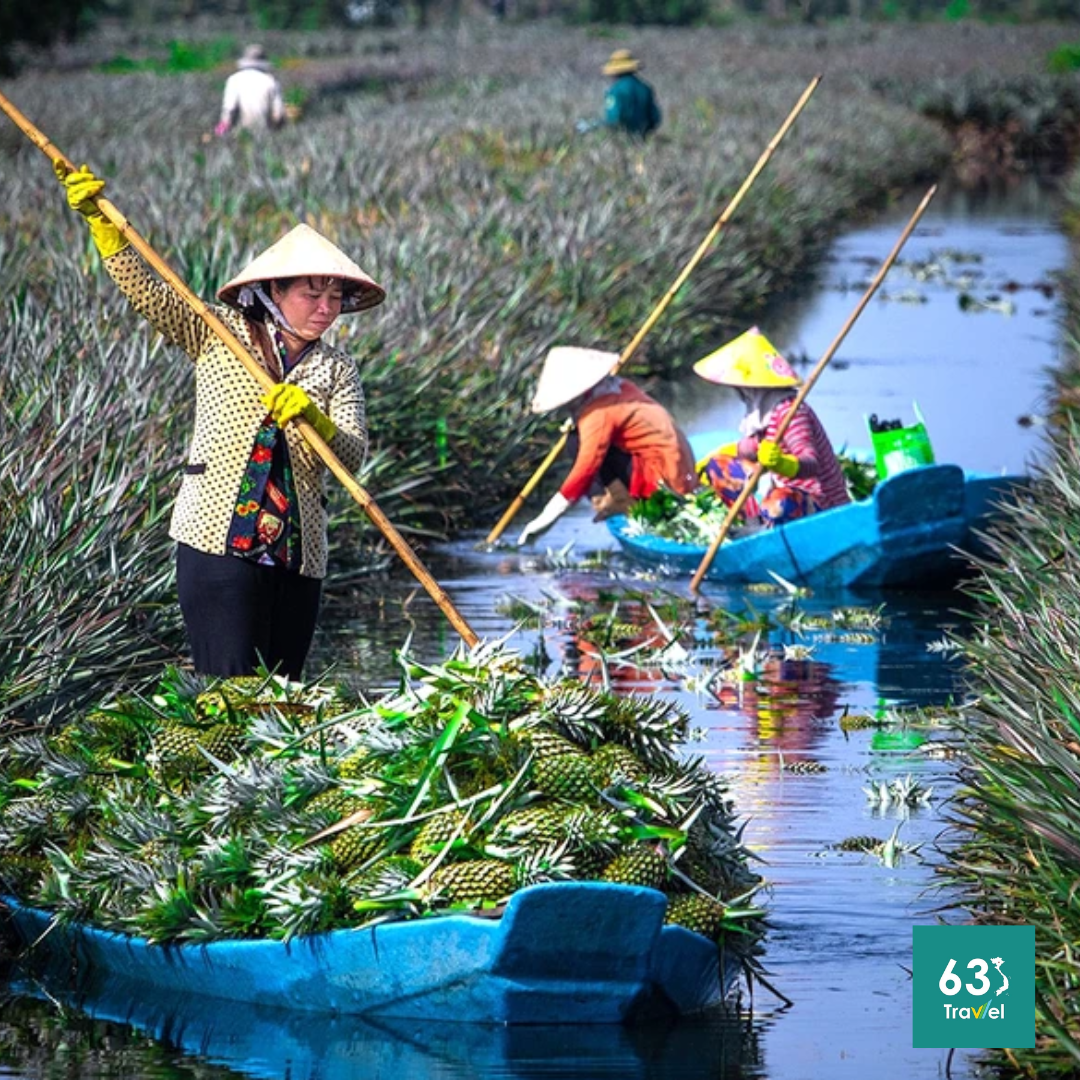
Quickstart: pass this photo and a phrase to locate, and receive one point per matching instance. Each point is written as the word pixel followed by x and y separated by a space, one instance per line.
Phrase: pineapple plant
pixel 640 865
pixel 702 914
pixel 351 848
pixel 617 765
pixel 534 827
pixel 474 881
pixel 566 776
pixel 436 833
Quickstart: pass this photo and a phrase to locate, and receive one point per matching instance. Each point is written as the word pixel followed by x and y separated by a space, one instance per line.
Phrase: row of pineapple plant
pixel 258 808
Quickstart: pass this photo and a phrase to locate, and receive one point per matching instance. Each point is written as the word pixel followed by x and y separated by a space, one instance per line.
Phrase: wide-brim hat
pixel 302 252
pixel 621 62
pixel 749 360
pixel 567 373
pixel 254 56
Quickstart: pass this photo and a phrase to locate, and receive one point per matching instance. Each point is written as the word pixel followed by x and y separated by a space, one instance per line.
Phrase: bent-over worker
pixel 627 445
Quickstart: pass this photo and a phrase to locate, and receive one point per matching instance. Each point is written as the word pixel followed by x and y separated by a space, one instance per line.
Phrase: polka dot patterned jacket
pixel 228 413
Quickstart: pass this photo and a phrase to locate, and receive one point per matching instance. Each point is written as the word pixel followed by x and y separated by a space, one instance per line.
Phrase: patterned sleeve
pixel 798 440
pixel 350 441
pixel 157 301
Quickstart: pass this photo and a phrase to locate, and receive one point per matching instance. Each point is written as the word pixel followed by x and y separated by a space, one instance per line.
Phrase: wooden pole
pixel 661 307
pixel 804 390
pixel 236 347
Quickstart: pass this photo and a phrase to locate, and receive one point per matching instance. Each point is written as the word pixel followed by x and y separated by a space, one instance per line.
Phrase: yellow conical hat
pixel 568 372
pixel 750 360
pixel 302 252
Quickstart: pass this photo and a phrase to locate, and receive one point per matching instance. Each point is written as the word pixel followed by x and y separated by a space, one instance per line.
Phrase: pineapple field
pixel 448 165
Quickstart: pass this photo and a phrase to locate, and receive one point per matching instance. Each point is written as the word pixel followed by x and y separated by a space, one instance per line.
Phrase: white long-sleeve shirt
pixel 252 100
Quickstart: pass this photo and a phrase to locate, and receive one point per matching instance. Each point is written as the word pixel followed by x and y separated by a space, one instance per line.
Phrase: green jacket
pixel 631 105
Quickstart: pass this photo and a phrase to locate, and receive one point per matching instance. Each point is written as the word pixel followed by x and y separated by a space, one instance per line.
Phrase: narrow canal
pixel 965 326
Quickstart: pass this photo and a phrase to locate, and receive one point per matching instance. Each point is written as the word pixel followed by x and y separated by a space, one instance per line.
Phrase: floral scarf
pixel 265 526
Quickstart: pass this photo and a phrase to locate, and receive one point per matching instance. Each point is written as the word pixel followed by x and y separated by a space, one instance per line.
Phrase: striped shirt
pixel 819 470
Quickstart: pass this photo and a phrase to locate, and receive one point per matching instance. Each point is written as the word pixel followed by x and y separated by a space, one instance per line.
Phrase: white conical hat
pixel 302 252
pixel 568 372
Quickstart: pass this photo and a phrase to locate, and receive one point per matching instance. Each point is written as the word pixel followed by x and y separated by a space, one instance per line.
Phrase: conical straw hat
pixel 621 62
pixel 568 372
pixel 253 56
pixel 750 360
pixel 302 252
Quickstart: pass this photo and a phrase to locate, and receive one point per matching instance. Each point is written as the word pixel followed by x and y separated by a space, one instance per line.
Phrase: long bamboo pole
pixel 236 347
pixel 755 475
pixel 661 307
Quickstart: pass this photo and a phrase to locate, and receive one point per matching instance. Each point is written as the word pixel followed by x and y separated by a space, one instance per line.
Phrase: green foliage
pixel 183 57
pixel 297 14
pixel 646 12
pixel 1018 859
pixel 662 505
pixel 1040 113
pixel 688 519
pixel 1064 59
pixel 860 476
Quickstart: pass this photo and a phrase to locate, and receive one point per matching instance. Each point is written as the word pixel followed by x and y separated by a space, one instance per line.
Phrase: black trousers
pixel 239 614
pixel 617 464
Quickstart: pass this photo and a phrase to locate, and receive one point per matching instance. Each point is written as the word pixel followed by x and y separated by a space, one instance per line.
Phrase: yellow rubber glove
pixel 775 460
pixel 81 185
pixel 286 402
pixel 727 450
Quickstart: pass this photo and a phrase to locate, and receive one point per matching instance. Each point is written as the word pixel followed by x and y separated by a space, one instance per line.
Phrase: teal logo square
pixel 973 986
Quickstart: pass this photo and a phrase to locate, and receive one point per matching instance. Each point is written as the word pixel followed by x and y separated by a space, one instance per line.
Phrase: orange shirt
pixel 643 428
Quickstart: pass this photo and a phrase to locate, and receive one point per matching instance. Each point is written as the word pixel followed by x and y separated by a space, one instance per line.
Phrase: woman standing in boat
pixel 626 443
pixel 250 520
pixel 804 475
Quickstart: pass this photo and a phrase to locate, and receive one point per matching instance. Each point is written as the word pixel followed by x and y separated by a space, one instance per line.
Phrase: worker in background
pixel 630 103
pixel 252 100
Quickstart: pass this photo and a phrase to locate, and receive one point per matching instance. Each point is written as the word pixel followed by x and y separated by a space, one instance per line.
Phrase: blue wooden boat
pixel 561 953
pixel 910 533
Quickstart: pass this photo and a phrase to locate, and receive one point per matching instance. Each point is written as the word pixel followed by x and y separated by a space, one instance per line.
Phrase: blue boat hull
pixel 561 953
pixel 909 534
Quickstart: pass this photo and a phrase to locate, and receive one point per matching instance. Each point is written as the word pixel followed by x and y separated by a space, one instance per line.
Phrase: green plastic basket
pixel 902 448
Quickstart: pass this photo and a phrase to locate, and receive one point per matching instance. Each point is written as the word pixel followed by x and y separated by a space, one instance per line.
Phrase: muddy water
pixel 965 328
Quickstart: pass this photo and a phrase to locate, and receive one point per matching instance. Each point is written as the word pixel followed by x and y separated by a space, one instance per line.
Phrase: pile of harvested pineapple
pixel 258 808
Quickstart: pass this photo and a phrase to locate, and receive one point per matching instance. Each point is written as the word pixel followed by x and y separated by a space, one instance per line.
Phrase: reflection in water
pixel 278 1044
pixel 784 706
